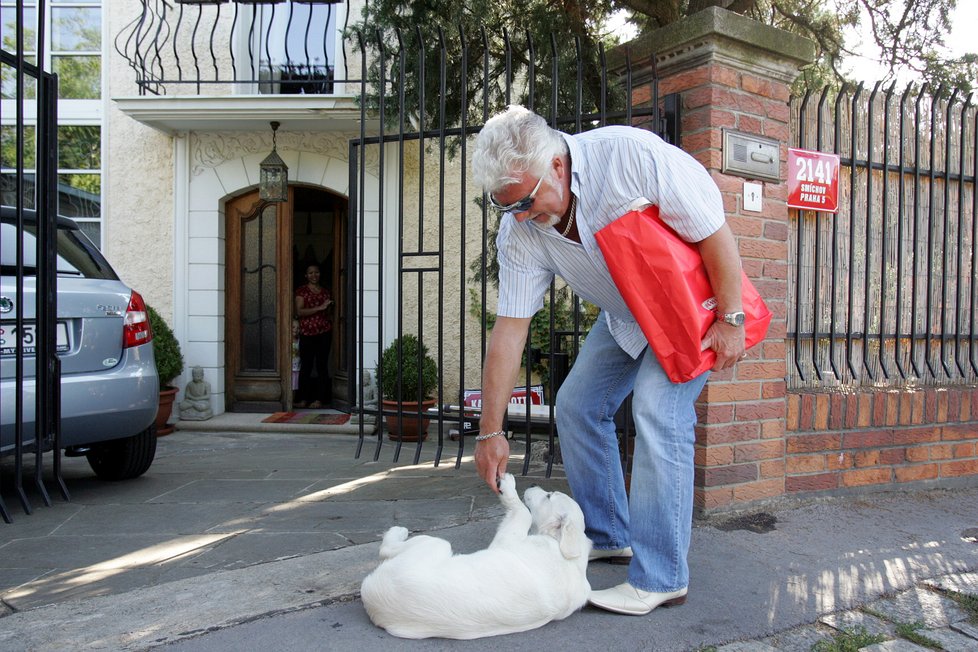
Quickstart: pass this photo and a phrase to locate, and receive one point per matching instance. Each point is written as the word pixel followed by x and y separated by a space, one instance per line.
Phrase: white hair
pixel 513 143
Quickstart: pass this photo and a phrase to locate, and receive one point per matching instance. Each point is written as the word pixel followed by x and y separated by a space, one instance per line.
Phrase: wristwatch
pixel 732 318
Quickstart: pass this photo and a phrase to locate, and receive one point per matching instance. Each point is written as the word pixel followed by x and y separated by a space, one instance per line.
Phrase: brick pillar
pixel 735 73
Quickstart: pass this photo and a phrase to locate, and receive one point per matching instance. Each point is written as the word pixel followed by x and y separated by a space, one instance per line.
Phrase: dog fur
pixel 534 571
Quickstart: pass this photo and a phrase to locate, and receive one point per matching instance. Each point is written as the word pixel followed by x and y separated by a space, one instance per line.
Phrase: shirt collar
pixel 577 158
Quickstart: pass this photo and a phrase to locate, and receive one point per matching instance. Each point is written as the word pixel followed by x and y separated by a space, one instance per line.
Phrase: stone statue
pixel 370 401
pixel 196 403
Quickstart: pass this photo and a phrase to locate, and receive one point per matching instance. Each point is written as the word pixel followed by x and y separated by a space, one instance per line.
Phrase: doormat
pixel 315 418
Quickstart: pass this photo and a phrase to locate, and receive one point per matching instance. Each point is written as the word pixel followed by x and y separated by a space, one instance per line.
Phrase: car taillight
pixel 136 329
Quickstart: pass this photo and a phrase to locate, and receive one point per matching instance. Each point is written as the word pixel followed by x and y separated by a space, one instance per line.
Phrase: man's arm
pixel 502 364
pixel 722 261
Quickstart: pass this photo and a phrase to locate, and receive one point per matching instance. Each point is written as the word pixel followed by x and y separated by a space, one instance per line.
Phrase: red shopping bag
pixel 664 283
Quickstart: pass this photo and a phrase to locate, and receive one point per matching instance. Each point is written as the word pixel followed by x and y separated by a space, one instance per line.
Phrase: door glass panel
pixel 258 291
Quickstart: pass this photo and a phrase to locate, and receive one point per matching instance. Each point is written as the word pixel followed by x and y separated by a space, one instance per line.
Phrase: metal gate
pixel 422 240
pixel 35 91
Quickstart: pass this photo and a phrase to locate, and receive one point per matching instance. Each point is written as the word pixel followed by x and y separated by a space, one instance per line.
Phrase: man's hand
pixel 727 342
pixel 491 457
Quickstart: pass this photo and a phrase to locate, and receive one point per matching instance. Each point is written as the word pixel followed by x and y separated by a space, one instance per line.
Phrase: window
pixel 296 47
pixel 74 51
pixel 8 34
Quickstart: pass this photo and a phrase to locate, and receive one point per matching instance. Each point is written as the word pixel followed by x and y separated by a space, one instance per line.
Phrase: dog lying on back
pixel 534 571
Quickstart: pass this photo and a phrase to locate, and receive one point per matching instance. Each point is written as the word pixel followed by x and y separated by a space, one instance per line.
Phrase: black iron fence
pixel 34 378
pixel 423 237
pixel 884 292
pixel 272 46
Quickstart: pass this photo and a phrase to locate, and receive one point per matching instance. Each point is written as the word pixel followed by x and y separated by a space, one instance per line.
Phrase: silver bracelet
pixel 490 435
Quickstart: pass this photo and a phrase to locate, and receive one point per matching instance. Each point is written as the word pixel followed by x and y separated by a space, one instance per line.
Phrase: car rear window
pixel 77 256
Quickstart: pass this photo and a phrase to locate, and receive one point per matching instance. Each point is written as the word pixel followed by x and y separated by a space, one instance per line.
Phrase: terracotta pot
pixel 167 394
pixel 411 427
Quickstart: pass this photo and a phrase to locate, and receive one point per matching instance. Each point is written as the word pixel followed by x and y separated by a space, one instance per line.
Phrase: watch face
pixel 734 318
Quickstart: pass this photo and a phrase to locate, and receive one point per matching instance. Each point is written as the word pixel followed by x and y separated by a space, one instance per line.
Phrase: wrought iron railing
pixel 884 293
pixel 422 253
pixel 242 46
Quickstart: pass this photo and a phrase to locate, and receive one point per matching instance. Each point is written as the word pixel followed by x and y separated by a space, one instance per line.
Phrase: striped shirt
pixel 612 167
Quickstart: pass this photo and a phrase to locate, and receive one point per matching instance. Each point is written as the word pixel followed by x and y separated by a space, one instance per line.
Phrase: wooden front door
pixel 258 310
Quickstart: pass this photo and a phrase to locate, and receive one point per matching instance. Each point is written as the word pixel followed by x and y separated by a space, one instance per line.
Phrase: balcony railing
pixel 236 46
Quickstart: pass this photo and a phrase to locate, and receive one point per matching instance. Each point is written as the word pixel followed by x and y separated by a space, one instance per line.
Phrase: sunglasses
pixel 517 206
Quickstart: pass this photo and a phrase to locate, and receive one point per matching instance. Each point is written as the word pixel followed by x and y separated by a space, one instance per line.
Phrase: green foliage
pixel 960 73
pixel 166 349
pixel 911 632
pixel 474 36
pixel 405 354
pixel 905 35
pixel 848 640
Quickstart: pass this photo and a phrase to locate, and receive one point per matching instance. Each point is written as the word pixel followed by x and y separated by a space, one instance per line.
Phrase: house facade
pixel 172 105
pixel 182 218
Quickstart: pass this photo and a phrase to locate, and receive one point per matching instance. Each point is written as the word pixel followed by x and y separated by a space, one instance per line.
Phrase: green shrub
pixel 404 354
pixel 166 349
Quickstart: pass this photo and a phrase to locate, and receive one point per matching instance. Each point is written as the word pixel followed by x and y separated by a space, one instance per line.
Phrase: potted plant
pixel 169 365
pixel 408 376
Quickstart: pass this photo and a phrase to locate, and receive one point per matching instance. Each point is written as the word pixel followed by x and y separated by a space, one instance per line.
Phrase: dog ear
pixel 571 538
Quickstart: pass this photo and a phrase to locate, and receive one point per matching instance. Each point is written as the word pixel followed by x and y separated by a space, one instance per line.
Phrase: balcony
pixel 237 47
pixel 231 64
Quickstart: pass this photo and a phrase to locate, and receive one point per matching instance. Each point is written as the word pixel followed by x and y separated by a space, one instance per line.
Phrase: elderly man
pixel 555 192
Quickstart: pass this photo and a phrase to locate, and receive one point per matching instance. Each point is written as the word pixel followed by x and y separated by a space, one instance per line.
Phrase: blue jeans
pixel 655 519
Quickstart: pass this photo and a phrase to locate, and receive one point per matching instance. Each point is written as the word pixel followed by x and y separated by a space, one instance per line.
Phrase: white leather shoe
pixel 626 599
pixel 614 556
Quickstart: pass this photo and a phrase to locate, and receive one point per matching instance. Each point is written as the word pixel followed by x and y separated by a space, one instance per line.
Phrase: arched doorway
pixel 268 247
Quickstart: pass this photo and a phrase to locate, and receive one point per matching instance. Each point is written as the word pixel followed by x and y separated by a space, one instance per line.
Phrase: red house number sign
pixel 813 180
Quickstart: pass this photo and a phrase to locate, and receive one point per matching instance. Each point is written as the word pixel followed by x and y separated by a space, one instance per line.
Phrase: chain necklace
pixel 570 221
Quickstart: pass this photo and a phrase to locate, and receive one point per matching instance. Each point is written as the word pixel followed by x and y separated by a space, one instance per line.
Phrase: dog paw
pixel 396 534
pixel 507 485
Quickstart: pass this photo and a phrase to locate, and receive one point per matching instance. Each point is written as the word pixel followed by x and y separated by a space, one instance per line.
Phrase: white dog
pixel 521 581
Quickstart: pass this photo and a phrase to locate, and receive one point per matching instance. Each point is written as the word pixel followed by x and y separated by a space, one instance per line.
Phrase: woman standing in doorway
pixel 312 305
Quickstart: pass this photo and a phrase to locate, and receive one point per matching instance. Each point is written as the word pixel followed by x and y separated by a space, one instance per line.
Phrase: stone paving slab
pixel 850 620
pixel 896 645
pixel 951 640
pixel 960 582
pixel 746 646
pixel 967 628
pixel 919 604
pixel 800 639
pixel 153 615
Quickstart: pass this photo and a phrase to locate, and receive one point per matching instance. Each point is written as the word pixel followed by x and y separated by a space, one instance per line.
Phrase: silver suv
pixel 109 385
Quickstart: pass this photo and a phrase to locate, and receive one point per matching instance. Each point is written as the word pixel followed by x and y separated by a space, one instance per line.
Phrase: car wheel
pixel 122 459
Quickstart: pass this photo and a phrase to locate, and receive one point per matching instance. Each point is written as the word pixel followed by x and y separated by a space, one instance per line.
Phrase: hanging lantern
pixel 273 184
